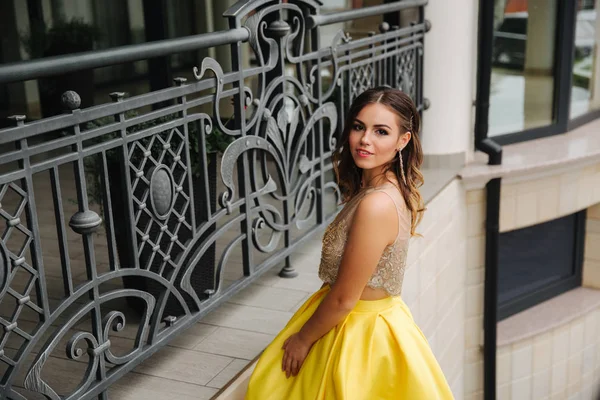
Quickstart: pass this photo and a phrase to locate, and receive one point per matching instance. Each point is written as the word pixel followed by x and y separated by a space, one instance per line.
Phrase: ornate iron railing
pixel 109 203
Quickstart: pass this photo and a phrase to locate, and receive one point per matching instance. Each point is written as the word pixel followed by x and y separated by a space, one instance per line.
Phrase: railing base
pixel 288 271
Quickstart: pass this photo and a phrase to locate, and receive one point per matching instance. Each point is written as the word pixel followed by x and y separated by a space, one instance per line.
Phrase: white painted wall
pixel 448 76
pixel 474 55
pixel 435 281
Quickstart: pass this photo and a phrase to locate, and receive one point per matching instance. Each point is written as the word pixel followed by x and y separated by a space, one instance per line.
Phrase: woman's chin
pixel 363 164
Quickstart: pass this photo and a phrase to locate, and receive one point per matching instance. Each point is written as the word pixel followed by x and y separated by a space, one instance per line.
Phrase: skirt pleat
pixel 377 352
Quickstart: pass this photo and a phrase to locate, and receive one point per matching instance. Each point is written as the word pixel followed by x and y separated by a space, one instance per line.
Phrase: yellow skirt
pixel 377 352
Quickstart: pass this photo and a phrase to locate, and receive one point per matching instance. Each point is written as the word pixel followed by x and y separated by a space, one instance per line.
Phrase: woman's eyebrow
pixel 378 125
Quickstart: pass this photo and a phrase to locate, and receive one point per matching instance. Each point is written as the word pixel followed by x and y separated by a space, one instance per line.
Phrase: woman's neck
pixel 372 178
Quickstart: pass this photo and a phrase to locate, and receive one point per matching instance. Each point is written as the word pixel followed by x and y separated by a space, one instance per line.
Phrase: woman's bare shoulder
pixel 377 203
pixel 379 210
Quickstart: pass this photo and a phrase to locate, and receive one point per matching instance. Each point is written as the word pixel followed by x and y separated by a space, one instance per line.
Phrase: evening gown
pixel 377 352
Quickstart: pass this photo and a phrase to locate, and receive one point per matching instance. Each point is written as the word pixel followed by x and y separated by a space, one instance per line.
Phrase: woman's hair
pixel 348 174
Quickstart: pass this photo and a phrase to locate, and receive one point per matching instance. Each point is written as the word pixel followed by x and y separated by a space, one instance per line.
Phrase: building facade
pixel 505 280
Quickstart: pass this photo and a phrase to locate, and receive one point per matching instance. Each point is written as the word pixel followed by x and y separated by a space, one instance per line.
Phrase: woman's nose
pixel 366 137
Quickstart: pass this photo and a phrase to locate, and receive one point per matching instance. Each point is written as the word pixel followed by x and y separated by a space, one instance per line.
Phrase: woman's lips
pixel 363 153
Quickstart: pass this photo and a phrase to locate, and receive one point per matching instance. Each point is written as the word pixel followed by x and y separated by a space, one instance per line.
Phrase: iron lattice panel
pixel 18 278
pixel 407 77
pixel 361 79
pixel 161 198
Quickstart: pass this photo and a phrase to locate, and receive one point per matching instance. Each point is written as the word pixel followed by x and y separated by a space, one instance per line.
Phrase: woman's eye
pixel 382 132
pixel 357 127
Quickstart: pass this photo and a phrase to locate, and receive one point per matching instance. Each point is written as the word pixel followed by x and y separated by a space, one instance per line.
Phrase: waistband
pixel 373 305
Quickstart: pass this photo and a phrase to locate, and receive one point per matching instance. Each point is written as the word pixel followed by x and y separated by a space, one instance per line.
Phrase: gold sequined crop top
pixel 389 273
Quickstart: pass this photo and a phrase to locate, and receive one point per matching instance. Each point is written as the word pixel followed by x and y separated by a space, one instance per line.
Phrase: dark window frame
pixel 566 19
pixel 530 299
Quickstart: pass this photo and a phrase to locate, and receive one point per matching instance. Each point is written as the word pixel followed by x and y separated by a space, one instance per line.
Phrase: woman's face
pixel 375 137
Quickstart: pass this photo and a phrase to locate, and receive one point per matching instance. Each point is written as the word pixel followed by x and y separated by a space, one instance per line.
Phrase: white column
pixel 79 9
pixel 203 10
pixel 24 96
pixel 47 11
pixel 541 31
pixel 223 53
pixel 539 63
pixel 220 23
pixel 135 12
pixel 449 76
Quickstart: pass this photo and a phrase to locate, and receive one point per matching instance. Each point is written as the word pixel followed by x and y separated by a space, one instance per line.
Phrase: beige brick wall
pixel 473 380
pixel 555 365
pixel 563 363
pixel 535 200
pixel 435 281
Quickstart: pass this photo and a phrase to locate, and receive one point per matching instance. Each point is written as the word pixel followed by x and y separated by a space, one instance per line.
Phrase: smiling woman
pixel 380 138
pixel 355 338
pixel 385 145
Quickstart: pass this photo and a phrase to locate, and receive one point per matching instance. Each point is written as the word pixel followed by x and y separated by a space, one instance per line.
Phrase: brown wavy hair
pixel 349 175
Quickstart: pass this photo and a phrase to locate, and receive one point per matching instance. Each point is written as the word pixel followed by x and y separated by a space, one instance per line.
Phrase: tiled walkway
pixel 209 354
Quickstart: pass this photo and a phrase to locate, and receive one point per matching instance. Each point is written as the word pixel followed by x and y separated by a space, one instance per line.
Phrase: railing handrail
pixel 43 67
pixel 34 69
pixel 349 15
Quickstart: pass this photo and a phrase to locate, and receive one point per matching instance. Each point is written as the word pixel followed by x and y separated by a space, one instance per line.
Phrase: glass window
pixel 539 262
pixel 585 92
pixel 522 82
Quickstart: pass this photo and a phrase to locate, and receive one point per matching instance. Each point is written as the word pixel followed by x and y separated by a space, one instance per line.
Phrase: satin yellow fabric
pixel 376 353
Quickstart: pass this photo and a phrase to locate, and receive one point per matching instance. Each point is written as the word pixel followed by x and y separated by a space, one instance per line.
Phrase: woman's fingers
pixel 288 366
pixel 284 360
pixel 289 363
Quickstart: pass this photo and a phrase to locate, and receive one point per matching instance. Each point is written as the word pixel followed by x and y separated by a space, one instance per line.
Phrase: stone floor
pixel 207 356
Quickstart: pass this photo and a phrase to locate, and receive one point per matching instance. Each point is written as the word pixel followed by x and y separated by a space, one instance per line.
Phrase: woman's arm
pixel 372 229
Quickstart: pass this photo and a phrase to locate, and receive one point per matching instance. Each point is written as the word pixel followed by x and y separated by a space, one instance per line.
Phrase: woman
pixel 355 339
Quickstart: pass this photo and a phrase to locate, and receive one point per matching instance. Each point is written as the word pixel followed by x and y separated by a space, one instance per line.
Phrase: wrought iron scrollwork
pixel 97 346
pixel 154 218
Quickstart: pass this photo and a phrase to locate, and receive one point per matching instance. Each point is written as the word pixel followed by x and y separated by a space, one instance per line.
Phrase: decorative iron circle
pixel 162 191
pixel 4 269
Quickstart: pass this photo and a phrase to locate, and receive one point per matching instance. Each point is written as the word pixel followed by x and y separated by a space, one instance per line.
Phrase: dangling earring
pixel 401 165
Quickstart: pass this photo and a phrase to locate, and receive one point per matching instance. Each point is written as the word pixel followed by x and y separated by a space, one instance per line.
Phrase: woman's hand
pixel 295 352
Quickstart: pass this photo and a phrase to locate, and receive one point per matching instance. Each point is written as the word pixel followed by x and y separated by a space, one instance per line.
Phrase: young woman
pixel 355 339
